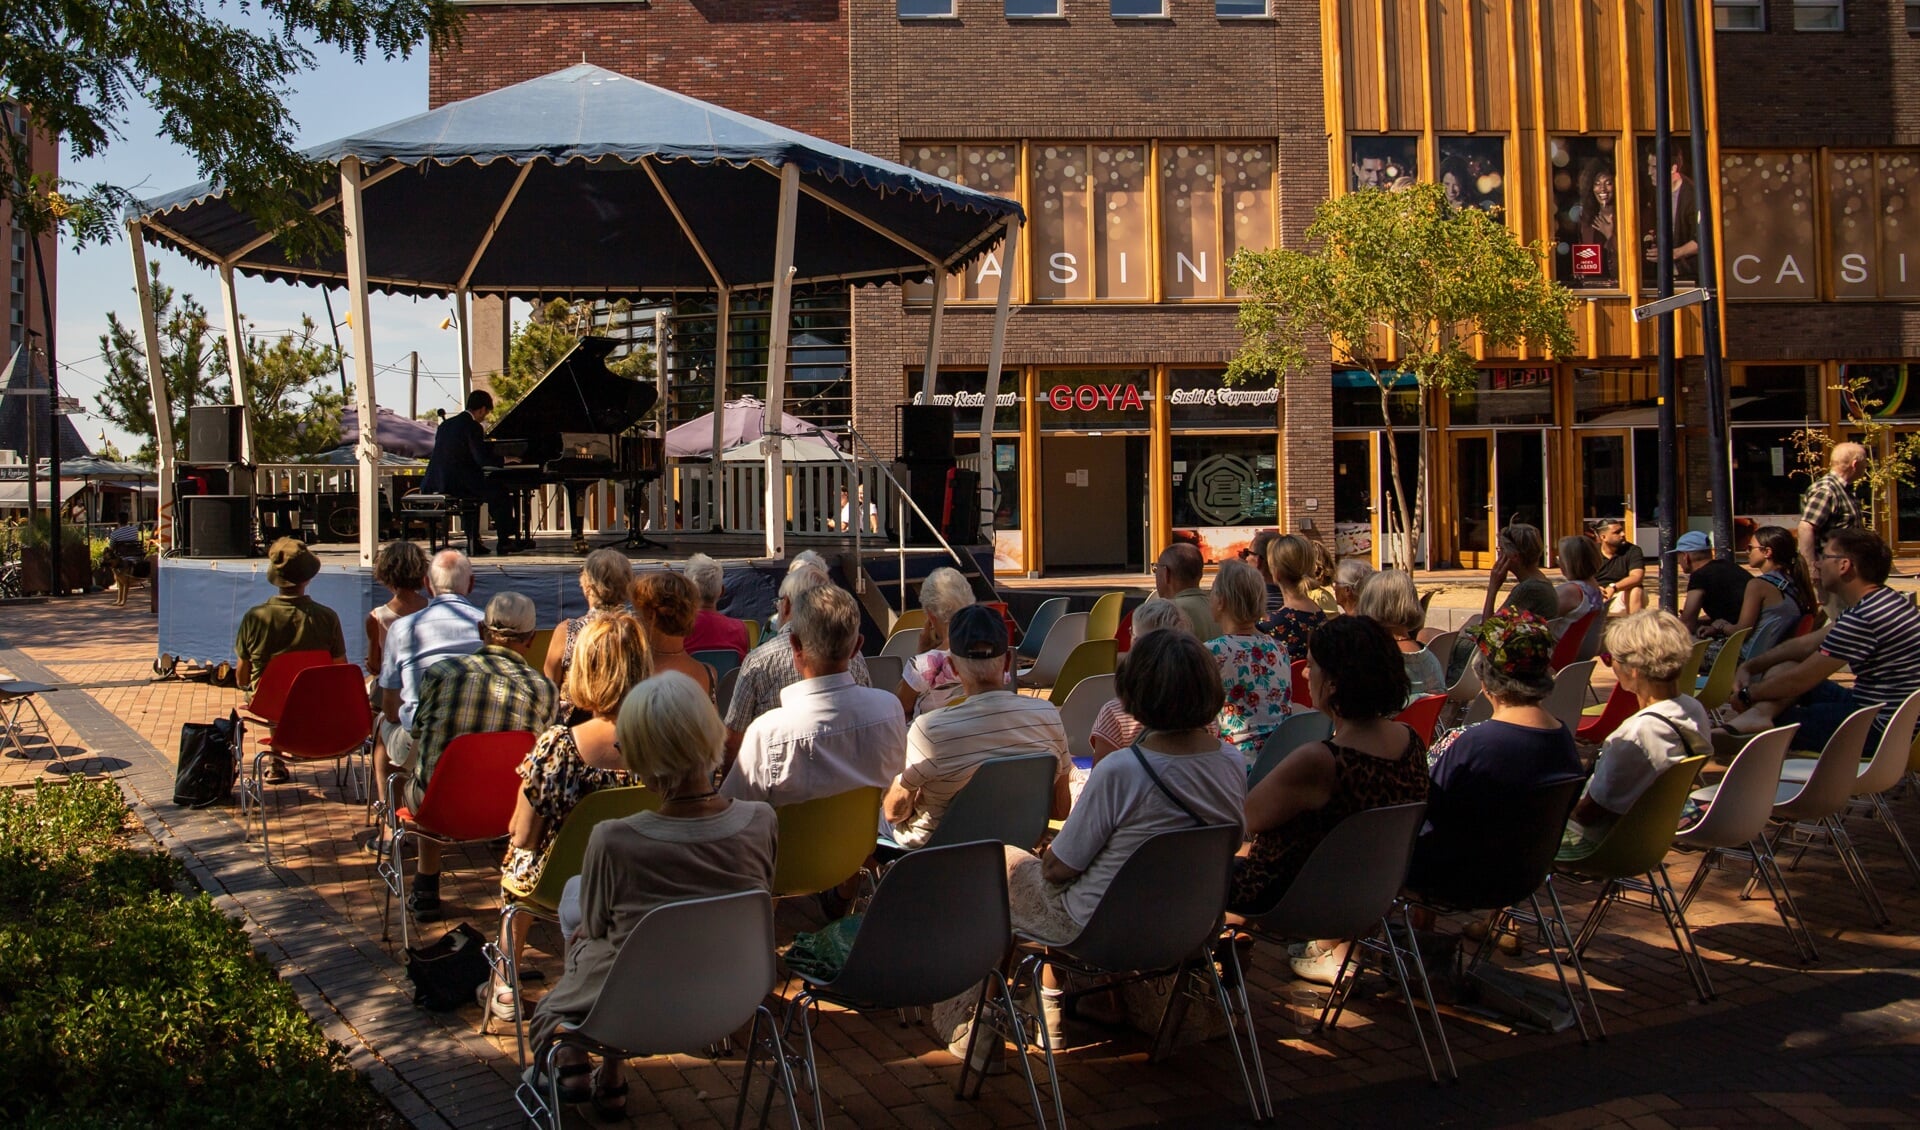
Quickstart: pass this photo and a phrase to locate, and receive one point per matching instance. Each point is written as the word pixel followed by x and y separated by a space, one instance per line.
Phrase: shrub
pixel 128 1000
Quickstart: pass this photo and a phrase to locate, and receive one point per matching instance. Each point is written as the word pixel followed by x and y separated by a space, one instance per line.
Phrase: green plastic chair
pixel 824 841
pixel 1690 674
pixel 564 858
pixel 1103 621
pixel 1632 859
pixel 1719 682
pixel 1094 657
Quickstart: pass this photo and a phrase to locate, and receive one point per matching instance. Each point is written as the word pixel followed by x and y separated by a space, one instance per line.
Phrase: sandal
pixel 604 1098
pixel 579 1093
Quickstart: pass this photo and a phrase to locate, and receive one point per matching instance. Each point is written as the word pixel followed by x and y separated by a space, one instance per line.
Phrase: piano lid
pixel 580 394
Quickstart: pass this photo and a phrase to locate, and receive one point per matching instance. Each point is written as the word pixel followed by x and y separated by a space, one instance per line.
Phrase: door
pixel 1604 469
pixel 1474 512
pixel 1520 480
pixel 1083 496
pixel 1356 514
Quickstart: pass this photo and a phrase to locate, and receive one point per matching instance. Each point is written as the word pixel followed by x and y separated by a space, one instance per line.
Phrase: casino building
pixel 1151 139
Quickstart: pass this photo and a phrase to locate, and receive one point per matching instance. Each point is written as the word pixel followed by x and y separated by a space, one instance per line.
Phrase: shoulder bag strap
pixel 1162 786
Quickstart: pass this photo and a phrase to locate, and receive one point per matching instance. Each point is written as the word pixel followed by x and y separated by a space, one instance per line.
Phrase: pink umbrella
pixel 397 434
pixel 741 423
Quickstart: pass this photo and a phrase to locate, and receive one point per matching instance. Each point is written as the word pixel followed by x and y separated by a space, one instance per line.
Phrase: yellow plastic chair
pixel 1690 674
pixel 1094 657
pixel 1103 621
pixel 564 858
pixel 912 620
pixel 537 654
pixel 824 841
pixel 753 633
pixel 1719 683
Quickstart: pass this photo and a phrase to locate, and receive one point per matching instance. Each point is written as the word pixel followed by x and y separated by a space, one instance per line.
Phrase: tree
pixel 294 409
pixel 1892 457
pixel 219 88
pixel 544 340
pixel 190 356
pixel 1399 284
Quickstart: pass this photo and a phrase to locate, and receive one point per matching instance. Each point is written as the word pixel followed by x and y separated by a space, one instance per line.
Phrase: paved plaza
pixel 1827 1045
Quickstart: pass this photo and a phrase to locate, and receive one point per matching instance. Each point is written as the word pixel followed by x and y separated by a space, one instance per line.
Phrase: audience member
pixel 1391 600
pixel 713 630
pixel 1649 649
pixel 769 668
pixel 1320 580
pixel 929 680
pixel 568 762
pixel 401 566
pixel 606 580
pixel 828 735
pixel 1350 577
pixel 490 691
pixel 1623 574
pixel 1291 560
pixel 288 621
pixel 1521 551
pixel 1256 555
pixel 1579 562
pixel 1176 577
pixel 1113 727
pixel 448 626
pixel 1255 671
pixel 1877 638
pixel 698 844
pixel 1830 504
pixel 1779 594
pixel 667 604
pixel 1715 588
pixel 1371 761
pixel 945 747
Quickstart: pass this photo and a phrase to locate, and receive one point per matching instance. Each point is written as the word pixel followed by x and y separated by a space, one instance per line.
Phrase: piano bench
pixel 435 512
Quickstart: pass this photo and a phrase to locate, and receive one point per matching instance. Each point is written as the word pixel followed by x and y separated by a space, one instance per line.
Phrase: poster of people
pixel 1586 243
pixel 1686 212
pixel 1382 162
pixel 1473 172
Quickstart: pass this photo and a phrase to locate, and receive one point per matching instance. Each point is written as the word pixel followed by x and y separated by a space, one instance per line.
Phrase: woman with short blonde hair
pixel 1391 599
pixel 1254 668
pixel 606 580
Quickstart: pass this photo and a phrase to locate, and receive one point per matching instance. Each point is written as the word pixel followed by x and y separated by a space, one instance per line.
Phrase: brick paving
pixel 1830 1044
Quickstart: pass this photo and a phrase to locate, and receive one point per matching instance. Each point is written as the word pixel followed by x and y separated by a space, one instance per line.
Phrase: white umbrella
pixel 793 449
pixel 741 423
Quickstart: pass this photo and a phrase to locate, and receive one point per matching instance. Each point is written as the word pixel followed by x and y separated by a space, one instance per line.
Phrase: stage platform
pixel 203 599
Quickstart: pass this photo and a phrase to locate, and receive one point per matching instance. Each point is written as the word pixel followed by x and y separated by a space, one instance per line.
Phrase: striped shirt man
pixel 946 746
pixel 1879 640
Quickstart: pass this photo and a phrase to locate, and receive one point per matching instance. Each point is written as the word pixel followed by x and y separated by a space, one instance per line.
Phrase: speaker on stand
pixel 213 433
pixel 218 525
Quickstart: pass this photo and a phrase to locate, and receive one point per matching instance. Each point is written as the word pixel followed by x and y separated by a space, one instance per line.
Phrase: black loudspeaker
pixel 218 525
pixel 203 480
pixel 213 433
pixel 926 484
pixel 336 517
pixel 960 511
pixel 926 433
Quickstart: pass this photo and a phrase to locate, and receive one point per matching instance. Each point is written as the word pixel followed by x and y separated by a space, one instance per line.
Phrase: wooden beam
pixel 782 321
pixel 686 229
pixel 493 227
pixel 323 205
pixel 353 213
pixel 996 349
pixel 156 387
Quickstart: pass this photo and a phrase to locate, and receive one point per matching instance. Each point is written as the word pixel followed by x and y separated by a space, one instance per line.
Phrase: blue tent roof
pixel 603 184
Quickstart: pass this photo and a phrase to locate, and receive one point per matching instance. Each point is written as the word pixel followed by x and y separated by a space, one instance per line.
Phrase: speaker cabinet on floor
pixel 218 525
pixel 213 433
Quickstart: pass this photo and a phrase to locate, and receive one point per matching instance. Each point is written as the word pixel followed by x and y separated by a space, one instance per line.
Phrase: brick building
pixel 23 309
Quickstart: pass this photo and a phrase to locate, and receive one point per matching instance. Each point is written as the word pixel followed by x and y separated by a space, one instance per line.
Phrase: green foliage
pixel 189 359
pixel 219 88
pixel 294 406
pixel 1398 283
pixel 1892 456
pixel 544 339
pixel 125 1002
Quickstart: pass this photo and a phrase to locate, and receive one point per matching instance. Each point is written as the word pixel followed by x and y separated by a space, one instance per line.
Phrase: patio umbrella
pixel 794 449
pixel 742 422
pixel 396 433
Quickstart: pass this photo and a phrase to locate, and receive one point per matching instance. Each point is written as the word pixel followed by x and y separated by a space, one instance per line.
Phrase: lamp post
pixel 1663 270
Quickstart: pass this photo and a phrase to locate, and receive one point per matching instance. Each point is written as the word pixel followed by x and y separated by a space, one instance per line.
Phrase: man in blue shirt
pixel 448 626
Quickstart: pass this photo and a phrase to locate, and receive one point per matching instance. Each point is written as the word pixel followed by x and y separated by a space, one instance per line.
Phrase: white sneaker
pixel 1321 969
pixel 499 1001
pixel 988 1054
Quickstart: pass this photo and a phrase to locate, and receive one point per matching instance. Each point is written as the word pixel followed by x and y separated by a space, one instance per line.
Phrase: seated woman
pixel 1254 668
pixel 667 604
pixel 1291 560
pixel 1371 761
pixel 606 580
pixel 1176 775
pixel 928 681
pixel 1492 766
pixel 1579 561
pixel 1349 578
pixel 1521 551
pixel 696 845
pixel 1649 649
pixel 1391 600
pixel 1780 593
pixel 401 566
pixel 1113 727
pixel 713 630
pixel 567 763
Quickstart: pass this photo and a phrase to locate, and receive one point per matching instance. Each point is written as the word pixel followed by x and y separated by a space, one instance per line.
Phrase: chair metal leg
pixel 780 1077
pixel 1857 868
pixel 1885 812
pixel 1019 1041
pixel 506 966
pixel 1232 1006
pixel 1559 926
pixel 1768 869
pixel 1426 989
pixel 1669 906
pixel 541 1110
pixel 1351 967
pixel 1595 917
pixel 393 875
pixel 1032 970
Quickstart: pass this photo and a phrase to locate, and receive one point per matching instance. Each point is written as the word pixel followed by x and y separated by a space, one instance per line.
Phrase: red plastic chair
pixel 1302 693
pixel 1567 649
pixel 1803 626
pixel 1423 714
pixel 1620 706
pixel 269 699
pixel 469 799
pixel 326 717
pixel 1013 629
pixel 1123 639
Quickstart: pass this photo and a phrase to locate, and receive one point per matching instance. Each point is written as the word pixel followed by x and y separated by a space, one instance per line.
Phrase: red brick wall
pixel 784 60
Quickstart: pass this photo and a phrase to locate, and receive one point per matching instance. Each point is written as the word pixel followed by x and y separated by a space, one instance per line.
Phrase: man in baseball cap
pixel 1715 588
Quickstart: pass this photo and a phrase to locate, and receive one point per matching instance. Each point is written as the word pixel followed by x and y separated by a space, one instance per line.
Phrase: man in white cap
pixel 1716 587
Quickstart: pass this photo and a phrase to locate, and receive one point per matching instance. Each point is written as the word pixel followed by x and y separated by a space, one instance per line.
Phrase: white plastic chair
pixel 905 644
pixel 1735 827
pixel 1302 727
pixel 884 672
pixel 1069 632
pixel 1083 705
pixel 1569 695
pixel 1879 776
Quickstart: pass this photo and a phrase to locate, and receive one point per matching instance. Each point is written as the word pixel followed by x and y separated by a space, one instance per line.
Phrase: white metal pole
pixel 157 388
pixel 353 214
pixel 460 308
pixel 716 495
pixel 236 363
pixel 782 317
pixel 1002 309
pixel 938 314
pixel 662 485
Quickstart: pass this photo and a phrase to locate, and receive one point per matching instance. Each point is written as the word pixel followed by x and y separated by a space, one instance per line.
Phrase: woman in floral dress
pixel 1254 668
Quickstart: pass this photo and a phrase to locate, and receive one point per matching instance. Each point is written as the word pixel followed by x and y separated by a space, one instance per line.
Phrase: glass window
pixel 1617 396
pixel 1239 9
pixel 1225 481
pixel 1896 386
pixel 1032 9
pixel 1202 397
pixel 990 167
pixel 1686 211
pixel 1767 202
pixel 1138 9
pixel 1106 400
pixel 1473 171
pixel 1819 15
pixel 1913 25
pixel 1763 465
pixel 1586 194
pixel 1775 392
pixel 1062 250
pixel 1246 187
pixel 965 391
pixel 1899 177
pixel 1505 396
pixel 1190 264
pixel 819 381
pixel 1739 15
pixel 1356 401
pixel 1381 162
pixel 923 9
pixel 1006 480
pixel 1123 229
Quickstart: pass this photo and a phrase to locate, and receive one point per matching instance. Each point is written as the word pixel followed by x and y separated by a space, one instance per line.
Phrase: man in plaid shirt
pixel 493 690
pixel 1830 503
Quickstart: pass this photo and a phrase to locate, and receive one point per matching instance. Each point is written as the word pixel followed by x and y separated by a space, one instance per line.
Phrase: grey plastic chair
pixel 1068 632
pixel 884 671
pixel 1161 914
pixel 1888 766
pixel 1083 705
pixel 1044 618
pixel 1302 727
pixel 1569 695
pixel 1479 710
pixel 1007 800
pixel 897 962
pixel 688 975
pixel 723 690
pixel 1350 888
pixel 905 644
pixel 721 659
pixel 1735 827
pixel 1810 814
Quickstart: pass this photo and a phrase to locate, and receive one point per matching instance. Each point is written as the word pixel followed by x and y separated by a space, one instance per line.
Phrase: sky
pixel 338 97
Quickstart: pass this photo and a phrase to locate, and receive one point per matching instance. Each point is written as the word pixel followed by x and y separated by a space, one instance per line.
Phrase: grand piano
pixel 567 430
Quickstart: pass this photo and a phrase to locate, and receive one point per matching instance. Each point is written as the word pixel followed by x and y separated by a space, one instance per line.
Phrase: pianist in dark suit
pixel 457 466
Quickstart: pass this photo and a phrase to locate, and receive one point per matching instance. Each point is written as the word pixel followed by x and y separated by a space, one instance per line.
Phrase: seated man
pixel 945 746
pixel 291 621
pixel 448 626
pixel 769 668
pixel 829 734
pixel 1716 587
pixel 1877 637
pixel 491 691
pixel 457 467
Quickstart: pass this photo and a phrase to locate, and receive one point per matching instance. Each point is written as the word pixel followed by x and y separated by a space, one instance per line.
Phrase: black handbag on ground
pixel 207 766
pixel 446 973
